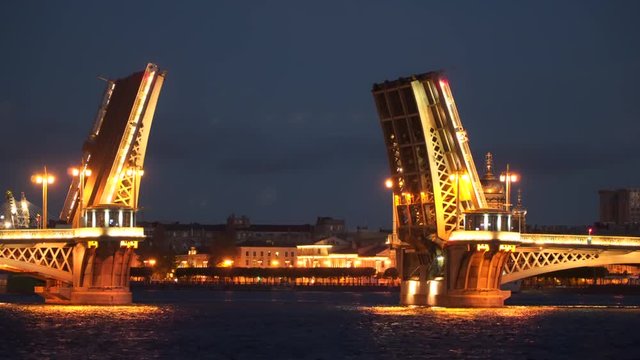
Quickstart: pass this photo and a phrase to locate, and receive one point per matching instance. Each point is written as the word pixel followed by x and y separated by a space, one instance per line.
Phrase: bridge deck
pixel 548 240
pixel 66 235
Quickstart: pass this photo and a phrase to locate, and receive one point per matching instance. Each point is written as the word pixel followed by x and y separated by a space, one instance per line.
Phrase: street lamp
pixel 81 174
pixel 507 178
pixel 45 179
pixel 389 185
pixel 457 176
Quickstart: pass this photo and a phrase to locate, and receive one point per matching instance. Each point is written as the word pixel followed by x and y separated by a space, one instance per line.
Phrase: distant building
pixel 620 207
pixel 328 226
pixel 338 253
pixel 242 230
pixel 192 259
pixel 264 254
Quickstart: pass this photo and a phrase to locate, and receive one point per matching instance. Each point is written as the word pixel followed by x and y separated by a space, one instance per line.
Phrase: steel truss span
pixel 48 261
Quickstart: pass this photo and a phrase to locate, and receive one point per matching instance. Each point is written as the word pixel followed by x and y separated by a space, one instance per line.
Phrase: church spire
pixel 488 163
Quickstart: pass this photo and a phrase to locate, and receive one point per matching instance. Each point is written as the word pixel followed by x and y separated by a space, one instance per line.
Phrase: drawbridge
pixel 88 262
pixel 453 249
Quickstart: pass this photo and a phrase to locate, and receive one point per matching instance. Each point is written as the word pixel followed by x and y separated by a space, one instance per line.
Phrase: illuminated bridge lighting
pixel 70 234
pixel 545 239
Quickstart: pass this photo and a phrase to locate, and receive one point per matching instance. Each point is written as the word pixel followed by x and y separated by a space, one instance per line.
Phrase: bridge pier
pixel 471 279
pixel 100 276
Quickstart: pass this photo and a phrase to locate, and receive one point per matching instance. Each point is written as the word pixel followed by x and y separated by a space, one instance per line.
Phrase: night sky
pixel 267 110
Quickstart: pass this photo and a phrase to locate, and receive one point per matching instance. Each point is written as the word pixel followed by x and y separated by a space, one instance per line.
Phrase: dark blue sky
pixel 267 109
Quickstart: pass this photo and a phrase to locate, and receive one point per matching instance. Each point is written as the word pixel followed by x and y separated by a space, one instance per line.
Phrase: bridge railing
pixel 71 234
pixel 569 240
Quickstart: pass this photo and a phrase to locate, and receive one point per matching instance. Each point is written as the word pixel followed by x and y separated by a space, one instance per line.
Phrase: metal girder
pixel 50 261
pixel 428 155
pixel 527 262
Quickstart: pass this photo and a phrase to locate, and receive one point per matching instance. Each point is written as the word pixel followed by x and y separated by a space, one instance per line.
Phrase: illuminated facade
pixel 338 253
pixel 192 259
pixel 263 255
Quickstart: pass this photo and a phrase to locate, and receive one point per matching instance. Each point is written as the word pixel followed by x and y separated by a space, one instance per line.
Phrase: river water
pixel 194 324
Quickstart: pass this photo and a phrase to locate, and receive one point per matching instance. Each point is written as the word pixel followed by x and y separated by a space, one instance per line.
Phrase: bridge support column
pixel 473 276
pixel 417 286
pixel 101 275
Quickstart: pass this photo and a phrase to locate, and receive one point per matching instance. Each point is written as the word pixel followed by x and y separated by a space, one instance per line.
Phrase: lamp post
pixel 389 185
pixel 507 178
pixel 45 179
pixel 81 173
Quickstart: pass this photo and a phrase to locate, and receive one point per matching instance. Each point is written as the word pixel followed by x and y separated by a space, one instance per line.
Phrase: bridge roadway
pixel 535 254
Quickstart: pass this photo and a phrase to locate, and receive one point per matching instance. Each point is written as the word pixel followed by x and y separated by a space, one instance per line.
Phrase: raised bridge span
pixel 88 261
pixel 454 247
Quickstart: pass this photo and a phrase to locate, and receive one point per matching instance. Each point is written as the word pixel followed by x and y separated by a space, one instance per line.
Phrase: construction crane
pixel 17 217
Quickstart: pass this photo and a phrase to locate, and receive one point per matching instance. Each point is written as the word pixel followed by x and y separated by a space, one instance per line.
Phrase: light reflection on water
pixel 79 311
pixel 298 325
pixel 508 311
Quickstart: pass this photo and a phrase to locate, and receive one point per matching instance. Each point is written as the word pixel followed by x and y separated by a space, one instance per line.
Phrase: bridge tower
pixel 102 200
pixel 435 186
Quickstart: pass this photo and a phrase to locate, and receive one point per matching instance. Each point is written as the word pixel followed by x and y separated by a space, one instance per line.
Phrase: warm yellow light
pixel 327 262
pixel 50 179
pixel 482 247
pixel 37 179
pixel 152 262
pixel 511 178
pixel 76 172
pixel 227 263
pixel 129 244
pixel 275 263
pixel 357 263
pixel 388 184
pixel 507 248
pixel 131 172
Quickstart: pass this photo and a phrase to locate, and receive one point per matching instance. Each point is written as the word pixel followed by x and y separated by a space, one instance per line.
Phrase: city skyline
pixel 267 110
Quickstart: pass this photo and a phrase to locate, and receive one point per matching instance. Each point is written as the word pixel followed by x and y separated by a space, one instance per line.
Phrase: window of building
pixel 269 253
pixel 246 262
pixel 247 253
pixel 261 253
pixel 254 253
